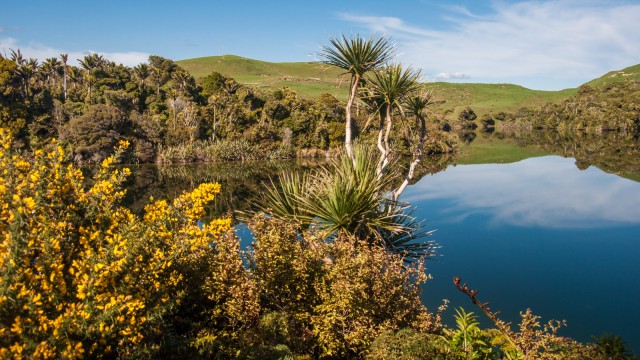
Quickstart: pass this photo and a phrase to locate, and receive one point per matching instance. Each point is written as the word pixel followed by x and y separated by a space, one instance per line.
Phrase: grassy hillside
pixel 491 98
pixel 630 73
pixel 310 79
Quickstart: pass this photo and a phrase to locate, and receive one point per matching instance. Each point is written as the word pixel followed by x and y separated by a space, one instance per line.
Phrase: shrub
pixel 81 276
pixel 467 114
pixel 407 344
pixel 332 299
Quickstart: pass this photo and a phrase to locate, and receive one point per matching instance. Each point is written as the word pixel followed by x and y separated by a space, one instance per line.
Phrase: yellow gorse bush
pixel 81 276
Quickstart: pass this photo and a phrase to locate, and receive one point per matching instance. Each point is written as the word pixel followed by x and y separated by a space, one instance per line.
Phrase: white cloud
pixel 538 44
pixel 42 52
pixel 450 76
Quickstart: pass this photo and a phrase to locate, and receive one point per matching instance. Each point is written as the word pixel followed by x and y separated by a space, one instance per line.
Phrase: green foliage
pixel 393 84
pixel 216 82
pixel 221 301
pixel 613 347
pixel 365 292
pixel 94 135
pixel 407 344
pixel 343 198
pixel 158 105
pixel 233 150
pixel 282 199
pixel 13 113
pixel 348 198
pixel 357 55
pixel 610 107
pixel 467 340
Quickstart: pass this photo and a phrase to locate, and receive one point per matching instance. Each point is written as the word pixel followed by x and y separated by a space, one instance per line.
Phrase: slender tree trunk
pixel 387 147
pixel 215 122
pixel 64 82
pixel 396 193
pixel 380 145
pixel 383 141
pixel 347 133
pixel 415 162
pixel 23 90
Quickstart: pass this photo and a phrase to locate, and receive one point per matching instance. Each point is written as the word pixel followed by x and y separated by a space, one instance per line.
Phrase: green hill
pixel 491 98
pixel 626 74
pixel 310 79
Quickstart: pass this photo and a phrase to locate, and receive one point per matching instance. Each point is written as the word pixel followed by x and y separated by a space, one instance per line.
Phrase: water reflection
pixel 613 152
pixel 241 182
pixel 549 192
pixel 541 234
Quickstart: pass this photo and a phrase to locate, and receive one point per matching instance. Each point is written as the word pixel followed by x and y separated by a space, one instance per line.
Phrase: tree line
pixel 165 113
pixel 612 107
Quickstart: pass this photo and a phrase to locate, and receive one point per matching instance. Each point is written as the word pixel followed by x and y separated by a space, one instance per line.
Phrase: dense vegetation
pixel 164 113
pixel 83 277
pixel 609 107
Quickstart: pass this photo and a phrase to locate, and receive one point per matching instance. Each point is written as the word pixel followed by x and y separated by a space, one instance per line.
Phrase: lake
pixel 518 218
pixel 541 234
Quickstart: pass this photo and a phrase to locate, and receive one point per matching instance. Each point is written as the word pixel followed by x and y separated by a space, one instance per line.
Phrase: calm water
pixel 539 234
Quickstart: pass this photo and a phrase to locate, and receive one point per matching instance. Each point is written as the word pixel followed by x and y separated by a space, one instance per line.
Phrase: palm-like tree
pixel 141 73
pixel 357 56
pixel 50 69
pixel 89 63
pixel 26 71
pixel 16 56
pixel 65 59
pixel 183 81
pixel 392 85
pixel 417 106
pixel 157 75
pixel 73 74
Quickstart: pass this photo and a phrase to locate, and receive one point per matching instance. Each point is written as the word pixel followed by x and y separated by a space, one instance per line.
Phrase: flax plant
pixel 348 197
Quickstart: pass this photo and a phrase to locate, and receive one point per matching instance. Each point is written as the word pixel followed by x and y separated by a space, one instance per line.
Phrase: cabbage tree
pixel 357 56
pixel 393 85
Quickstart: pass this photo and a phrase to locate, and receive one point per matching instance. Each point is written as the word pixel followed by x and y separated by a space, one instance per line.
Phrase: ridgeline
pixel 310 79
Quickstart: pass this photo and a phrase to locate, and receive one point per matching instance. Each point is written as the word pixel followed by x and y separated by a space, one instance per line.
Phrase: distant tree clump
pixel 609 107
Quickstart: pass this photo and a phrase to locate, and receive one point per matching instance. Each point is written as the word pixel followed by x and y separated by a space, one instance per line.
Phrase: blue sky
pixel 538 44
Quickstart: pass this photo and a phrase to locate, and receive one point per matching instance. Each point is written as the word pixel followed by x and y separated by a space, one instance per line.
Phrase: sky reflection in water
pixel 545 192
pixel 539 234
